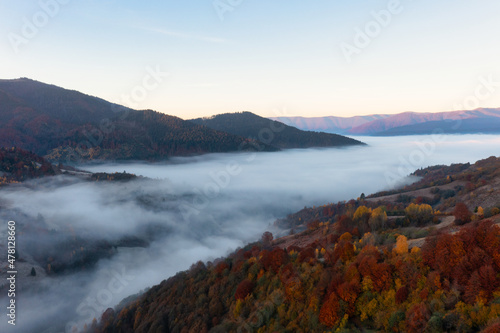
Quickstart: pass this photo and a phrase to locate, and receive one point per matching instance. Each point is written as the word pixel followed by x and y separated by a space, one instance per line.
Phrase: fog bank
pixel 196 208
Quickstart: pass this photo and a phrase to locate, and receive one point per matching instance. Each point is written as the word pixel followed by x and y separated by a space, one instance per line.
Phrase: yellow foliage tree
pixel 419 214
pixel 401 245
pixel 362 212
pixel 480 211
pixel 378 219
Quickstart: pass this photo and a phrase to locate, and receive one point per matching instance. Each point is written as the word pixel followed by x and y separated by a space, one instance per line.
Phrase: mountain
pixel 487 125
pixel 384 263
pixel 274 133
pixel 407 123
pixel 17 165
pixel 331 124
pixel 65 125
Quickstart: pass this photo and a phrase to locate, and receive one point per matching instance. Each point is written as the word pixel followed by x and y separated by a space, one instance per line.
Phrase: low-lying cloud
pixel 196 208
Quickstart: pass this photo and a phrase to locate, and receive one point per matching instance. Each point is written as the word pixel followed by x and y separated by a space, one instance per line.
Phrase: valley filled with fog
pixel 191 209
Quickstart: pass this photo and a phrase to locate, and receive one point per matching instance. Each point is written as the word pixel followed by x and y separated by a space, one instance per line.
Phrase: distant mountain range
pixel 407 123
pixel 68 126
pixel 276 134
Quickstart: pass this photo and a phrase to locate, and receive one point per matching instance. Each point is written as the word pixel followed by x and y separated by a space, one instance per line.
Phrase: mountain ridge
pixel 69 126
pixel 250 125
pixel 378 124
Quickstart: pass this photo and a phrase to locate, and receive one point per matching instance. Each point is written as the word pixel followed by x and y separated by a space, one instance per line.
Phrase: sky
pixel 274 58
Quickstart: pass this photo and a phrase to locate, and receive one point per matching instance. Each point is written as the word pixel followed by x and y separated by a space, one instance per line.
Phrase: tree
pixel 417 317
pixel 244 289
pixel 401 245
pixel 329 313
pixel 267 238
pixel 462 214
pixel 362 213
pixel 493 328
pixel 401 295
pixel 33 271
pixel 480 212
pixel 378 219
pixel 419 214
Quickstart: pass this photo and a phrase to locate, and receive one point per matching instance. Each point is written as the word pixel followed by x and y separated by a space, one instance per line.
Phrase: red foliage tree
pixel 344 250
pixel 380 274
pixel 329 314
pixel 416 318
pixel 401 295
pixel 278 258
pixel 462 214
pixel 265 259
pixel 345 224
pixel 219 269
pixel 443 253
pixel 482 284
pixel 244 289
pixel 348 292
pixel 494 328
pixel 307 254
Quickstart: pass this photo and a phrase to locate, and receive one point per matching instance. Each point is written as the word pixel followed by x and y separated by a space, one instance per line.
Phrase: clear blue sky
pixel 268 57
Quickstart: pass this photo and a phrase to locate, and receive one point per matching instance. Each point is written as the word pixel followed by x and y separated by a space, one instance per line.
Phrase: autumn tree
pixel 244 289
pixel 493 328
pixel 416 318
pixel 401 245
pixel 419 214
pixel 401 295
pixel 329 314
pixel 267 239
pixel 361 217
pixel 462 214
pixel 480 212
pixel 345 224
pixel 378 219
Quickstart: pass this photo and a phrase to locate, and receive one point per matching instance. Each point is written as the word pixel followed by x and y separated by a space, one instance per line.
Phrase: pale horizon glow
pixel 275 58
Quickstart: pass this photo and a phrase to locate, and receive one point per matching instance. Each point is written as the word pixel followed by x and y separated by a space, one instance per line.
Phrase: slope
pixel 354 269
pixel 249 125
pixel 481 120
pixel 422 123
pixel 69 126
pixel 330 124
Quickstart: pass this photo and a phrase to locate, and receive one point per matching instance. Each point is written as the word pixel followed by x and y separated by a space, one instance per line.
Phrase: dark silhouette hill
pixel 277 134
pixel 66 125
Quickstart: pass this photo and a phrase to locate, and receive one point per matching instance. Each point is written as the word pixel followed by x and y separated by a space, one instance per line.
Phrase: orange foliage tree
pixel 329 314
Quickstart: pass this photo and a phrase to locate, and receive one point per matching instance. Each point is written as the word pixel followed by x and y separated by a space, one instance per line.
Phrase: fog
pixel 190 209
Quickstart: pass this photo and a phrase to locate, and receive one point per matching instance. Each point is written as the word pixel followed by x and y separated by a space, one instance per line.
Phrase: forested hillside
pixel 249 125
pixel 68 126
pixel 390 263
pixel 17 165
